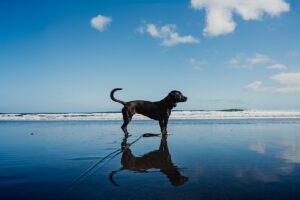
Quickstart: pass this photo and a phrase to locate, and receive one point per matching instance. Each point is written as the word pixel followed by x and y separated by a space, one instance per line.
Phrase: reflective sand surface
pixel 200 159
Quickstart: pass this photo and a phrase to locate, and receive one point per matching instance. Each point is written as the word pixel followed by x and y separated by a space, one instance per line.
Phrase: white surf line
pixel 250 114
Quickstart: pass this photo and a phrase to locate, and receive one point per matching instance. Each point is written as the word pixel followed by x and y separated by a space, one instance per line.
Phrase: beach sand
pixel 200 159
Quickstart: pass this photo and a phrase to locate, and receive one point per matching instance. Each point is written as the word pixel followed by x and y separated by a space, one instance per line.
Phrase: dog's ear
pixel 172 93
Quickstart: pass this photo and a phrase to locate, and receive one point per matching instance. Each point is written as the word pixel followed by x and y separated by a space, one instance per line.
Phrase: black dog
pixel 160 159
pixel 158 110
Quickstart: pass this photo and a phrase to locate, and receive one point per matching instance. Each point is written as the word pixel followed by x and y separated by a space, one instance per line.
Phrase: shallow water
pixel 208 159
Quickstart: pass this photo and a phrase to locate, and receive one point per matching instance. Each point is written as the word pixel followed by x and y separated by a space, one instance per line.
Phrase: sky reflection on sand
pixel 211 159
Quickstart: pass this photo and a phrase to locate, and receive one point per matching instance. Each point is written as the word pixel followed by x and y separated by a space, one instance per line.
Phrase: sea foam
pixel 251 114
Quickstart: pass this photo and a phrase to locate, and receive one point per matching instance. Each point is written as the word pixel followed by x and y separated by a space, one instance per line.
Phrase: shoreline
pixel 176 115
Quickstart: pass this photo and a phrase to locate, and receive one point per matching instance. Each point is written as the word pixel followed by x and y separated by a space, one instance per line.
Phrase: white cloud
pixel 277 66
pixel 258 59
pixel 293 54
pixel 100 22
pixel 219 21
pixel 289 83
pixel 234 61
pixel 196 64
pixel 256 86
pixel 241 61
pixel 287 78
pixel 167 34
pixel 219 13
pixel 153 31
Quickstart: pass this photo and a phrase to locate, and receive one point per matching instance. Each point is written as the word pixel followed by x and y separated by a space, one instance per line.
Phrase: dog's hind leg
pixel 126 118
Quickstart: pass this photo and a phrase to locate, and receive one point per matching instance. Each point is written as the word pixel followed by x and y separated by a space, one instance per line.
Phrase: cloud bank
pixel 219 13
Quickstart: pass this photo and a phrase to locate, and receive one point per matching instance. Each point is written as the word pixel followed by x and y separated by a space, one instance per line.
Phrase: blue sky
pixel 66 56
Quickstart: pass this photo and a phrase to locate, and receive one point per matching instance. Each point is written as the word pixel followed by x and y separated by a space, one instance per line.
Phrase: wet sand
pixel 200 159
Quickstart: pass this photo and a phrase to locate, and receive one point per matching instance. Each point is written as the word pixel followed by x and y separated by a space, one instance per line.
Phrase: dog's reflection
pixel 158 159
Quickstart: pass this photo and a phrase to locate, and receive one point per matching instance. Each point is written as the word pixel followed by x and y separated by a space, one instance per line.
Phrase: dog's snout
pixel 184 99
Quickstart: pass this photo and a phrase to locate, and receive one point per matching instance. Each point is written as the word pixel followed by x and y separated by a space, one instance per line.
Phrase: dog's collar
pixel 169 103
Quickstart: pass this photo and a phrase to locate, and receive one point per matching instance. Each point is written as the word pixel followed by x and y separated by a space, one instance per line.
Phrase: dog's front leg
pixel 163 126
pixel 166 125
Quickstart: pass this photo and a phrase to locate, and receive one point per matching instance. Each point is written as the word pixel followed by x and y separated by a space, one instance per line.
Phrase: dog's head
pixel 176 97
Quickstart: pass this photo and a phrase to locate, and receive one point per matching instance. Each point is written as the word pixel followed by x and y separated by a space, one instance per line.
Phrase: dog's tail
pixel 113 98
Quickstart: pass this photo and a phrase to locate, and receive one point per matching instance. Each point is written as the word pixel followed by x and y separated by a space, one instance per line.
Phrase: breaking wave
pixel 221 114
